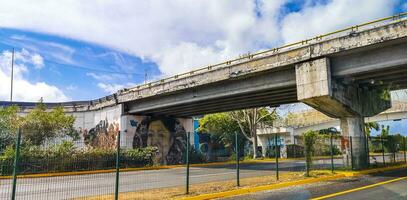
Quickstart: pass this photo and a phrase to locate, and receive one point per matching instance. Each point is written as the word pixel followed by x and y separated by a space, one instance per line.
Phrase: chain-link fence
pixel 171 167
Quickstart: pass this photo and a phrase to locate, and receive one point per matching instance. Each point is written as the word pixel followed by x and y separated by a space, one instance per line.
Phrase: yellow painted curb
pixel 262 188
pixel 340 174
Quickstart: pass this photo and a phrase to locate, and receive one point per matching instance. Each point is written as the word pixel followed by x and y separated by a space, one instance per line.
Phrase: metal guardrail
pixel 261 53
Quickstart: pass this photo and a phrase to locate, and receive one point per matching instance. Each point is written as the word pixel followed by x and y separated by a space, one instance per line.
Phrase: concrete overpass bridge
pixel 346 74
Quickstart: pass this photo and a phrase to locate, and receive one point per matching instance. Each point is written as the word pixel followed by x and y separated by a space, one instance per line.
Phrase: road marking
pixel 360 188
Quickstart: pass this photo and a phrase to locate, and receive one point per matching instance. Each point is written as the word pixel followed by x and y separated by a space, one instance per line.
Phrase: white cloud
pixel 56 52
pixel 71 87
pixel 26 57
pixel 23 89
pixel 38 61
pixel 110 88
pixel 150 29
pixel 179 35
pixel 336 14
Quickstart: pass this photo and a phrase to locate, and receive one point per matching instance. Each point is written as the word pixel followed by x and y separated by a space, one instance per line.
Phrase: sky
pixel 69 50
pixel 81 50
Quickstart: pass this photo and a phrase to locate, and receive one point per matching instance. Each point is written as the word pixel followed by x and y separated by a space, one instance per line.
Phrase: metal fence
pixel 77 171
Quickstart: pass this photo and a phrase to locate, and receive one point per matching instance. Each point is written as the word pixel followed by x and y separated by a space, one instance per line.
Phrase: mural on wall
pixel 103 135
pixel 167 134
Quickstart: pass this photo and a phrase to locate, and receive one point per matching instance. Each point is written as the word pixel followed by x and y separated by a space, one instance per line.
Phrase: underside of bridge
pixel 382 65
pixel 349 85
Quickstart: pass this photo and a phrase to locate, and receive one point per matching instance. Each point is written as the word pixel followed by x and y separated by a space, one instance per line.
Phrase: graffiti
pixel 167 134
pixel 103 135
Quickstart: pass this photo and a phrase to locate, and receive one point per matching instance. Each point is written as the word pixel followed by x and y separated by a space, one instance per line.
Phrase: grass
pixel 206 188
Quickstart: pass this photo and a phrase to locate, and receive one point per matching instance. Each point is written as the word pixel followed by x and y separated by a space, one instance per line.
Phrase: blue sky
pixel 76 67
pixel 76 50
pixel 395 127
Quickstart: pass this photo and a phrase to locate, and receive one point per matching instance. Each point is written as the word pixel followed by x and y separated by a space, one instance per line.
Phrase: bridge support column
pixel 354 127
pixel 349 102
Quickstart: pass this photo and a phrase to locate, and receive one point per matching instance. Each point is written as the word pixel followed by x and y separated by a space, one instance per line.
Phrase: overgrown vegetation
pixel 222 127
pixel 65 157
pixel 310 137
pixel 37 127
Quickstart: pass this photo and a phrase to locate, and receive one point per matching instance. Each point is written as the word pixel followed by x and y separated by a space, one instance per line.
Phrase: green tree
pixel 310 137
pixel 41 125
pixel 221 127
pixel 369 126
pixel 9 121
pixel 249 120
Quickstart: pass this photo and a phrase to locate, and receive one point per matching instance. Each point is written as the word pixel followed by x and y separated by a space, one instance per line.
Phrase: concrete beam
pixel 349 102
pixel 227 91
pixel 316 88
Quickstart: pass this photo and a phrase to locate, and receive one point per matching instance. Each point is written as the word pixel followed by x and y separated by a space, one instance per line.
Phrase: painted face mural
pixel 166 134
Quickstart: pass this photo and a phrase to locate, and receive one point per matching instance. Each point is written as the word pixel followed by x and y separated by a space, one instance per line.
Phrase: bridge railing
pixel 261 54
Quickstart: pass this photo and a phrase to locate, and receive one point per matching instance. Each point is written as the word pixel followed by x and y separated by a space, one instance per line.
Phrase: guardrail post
pixel 351 151
pixel 276 147
pixel 15 169
pixel 404 141
pixel 187 162
pixel 237 160
pixel 116 194
pixel 332 153
pixel 381 141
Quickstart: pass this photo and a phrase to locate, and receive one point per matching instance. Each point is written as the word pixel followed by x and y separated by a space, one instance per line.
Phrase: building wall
pixel 126 124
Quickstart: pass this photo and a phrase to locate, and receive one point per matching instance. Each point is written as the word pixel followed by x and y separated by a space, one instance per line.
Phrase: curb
pixel 289 184
pixel 56 174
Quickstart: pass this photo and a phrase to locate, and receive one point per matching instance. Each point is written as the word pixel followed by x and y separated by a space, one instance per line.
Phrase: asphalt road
pixel 67 187
pixel 387 191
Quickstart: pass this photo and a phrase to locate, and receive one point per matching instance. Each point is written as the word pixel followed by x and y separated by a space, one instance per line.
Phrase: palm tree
pixel 369 126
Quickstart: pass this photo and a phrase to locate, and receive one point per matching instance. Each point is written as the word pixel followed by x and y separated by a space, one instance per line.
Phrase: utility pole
pixel 12 75
pixel 145 76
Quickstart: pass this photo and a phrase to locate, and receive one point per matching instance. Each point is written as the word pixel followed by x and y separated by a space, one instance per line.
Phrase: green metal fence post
pixel 381 141
pixel 351 151
pixel 404 141
pixel 332 153
pixel 295 148
pixel 394 149
pixel 368 151
pixel 187 162
pixel 237 160
pixel 15 169
pixel 277 153
pixel 116 194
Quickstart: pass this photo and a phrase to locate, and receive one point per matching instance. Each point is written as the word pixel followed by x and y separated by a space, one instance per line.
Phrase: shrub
pixel 309 138
pixel 66 157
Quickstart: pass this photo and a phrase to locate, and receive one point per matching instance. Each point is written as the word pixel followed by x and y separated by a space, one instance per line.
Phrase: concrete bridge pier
pixel 350 102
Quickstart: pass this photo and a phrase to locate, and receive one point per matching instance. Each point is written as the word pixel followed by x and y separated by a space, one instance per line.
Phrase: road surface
pixel 381 186
pixel 67 187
